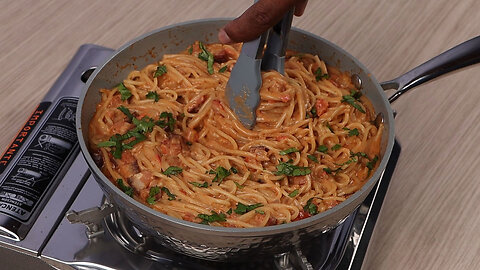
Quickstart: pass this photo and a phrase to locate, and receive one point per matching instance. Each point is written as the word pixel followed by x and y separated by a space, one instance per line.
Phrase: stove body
pixel 57 217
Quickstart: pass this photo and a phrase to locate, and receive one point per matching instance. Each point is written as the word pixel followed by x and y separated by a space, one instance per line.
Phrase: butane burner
pixel 53 214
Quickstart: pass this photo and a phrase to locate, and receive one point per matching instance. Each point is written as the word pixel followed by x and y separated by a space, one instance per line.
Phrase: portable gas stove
pixel 54 215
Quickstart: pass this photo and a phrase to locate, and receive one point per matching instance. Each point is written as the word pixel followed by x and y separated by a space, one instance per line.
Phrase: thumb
pixel 256 20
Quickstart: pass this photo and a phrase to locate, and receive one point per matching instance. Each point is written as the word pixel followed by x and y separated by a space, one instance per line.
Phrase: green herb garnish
pixel 106 144
pixel 199 185
pixel 358 154
pixel 173 170
pixel 320 76
pixel 313 111
pixel 214 217
pixel 125 111
pixel 293 193
pixel 205 55
pixel 166 121
pixel 124 92
pixel 233 170
pixel 322 149
pixel 153 95
pixel 151 195
pixel 353 132
pixel 220 174
pixel 352 98
pixel 288 169
pixel 171 196
pixel 142 126
pixel 190 50
pixel 310 207
pixel 288 151
pixel 229 211
pixel 242 208
pixel 162 69
pixel 261 212
pixel 126 189
pixel 371 164
pixel 238 185
pixel 313 158
pixel 223 69
pixel 336 147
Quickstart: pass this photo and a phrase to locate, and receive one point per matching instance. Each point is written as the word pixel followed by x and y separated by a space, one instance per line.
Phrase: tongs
pixel 243 87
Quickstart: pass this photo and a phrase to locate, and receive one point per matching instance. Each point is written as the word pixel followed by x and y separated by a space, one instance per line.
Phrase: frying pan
pixel 219 243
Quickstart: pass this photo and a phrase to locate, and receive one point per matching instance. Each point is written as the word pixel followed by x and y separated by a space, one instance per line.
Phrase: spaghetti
pixel 166 137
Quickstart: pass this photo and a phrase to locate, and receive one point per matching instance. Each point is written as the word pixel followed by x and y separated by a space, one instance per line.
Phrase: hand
pixel 259 18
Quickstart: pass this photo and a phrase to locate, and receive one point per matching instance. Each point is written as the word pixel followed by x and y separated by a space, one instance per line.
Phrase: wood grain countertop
pixel 429 219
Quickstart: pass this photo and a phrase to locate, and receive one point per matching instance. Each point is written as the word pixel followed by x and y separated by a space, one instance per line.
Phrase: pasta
pixel 166 137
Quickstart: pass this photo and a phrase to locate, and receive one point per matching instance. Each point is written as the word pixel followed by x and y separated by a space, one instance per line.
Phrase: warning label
pixel 22 136
pixel 29 179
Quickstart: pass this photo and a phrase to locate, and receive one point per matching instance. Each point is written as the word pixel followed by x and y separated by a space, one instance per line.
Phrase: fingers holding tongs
pixel 243 87
pixel 274 55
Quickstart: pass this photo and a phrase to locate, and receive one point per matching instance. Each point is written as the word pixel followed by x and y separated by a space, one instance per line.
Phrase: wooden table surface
pixel 429 219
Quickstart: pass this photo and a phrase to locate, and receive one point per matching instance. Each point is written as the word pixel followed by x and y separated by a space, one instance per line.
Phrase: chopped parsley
pixel 336 147
pixel 152 194
pixel 243 209
pixel 126 189
pixel 293 193
pixel 125 111
pixel 205 55
pixel 288 169
pixel 162 69
pixel 352 132
pixel 371 164
pixel 359 154
pixel 288 151
pixel 173 170
pixel 310 207
pixel 229 211
pixel 233 170
pixel 200 185
pixel 142 126
pixel 190 50
pixel 313 112
pixel 319 75
pixel 313 158
pixel 352 98
pixel 214 217
pixel 238 185
pixel 322 149
pixel 166 121
pixel 351 160
pixel 124 92
pixel 106 144
pixel 171 196
pixel 261 212
pixel 223 69
pixel 153 95
pixel 220 174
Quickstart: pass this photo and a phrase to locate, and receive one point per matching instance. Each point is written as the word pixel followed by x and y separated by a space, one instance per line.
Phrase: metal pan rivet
pixel 357 82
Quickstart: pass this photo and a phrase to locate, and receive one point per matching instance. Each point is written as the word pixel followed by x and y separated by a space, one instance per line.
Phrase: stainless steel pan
pixel 218 243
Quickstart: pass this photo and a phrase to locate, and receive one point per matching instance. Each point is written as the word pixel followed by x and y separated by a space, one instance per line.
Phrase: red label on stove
pixel 22 135
pixel 33 172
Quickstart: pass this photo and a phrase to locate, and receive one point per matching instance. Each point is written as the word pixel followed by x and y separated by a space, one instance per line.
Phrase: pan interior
pixel 152 46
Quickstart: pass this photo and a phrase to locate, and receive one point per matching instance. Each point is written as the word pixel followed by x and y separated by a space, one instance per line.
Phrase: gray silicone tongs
pixel 243 87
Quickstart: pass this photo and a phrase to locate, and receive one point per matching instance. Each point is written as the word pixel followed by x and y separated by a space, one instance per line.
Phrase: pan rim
pixel 255 231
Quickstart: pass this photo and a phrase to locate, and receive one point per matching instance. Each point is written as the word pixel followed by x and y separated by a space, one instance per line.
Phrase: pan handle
pixel 465 54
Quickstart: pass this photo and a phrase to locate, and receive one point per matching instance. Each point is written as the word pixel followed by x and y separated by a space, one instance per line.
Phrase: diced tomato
pixel 321 105
pixel 301 215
